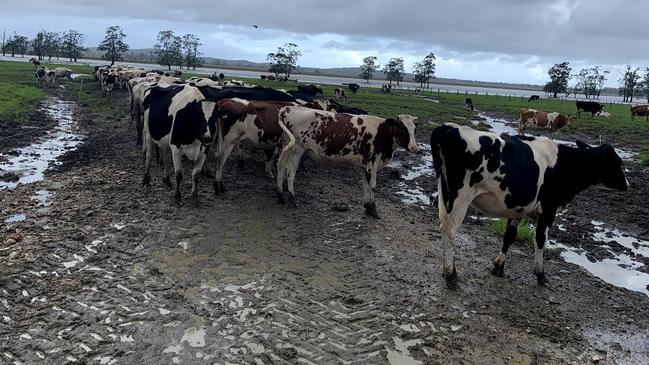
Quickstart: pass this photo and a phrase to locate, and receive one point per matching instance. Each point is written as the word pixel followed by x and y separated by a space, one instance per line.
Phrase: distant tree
pixel 368 68
pixel 4 43
pixel 113 44
pixel 284 61
pixel 559 77
pixel 21 44
pixel 168 50
pixel 52 45
pixel 644 84
pixel 38 44
pixel 191 42
pixel 72 45
pixel 629 83
pixel 425 70
pixel 590 81
pixel 394 70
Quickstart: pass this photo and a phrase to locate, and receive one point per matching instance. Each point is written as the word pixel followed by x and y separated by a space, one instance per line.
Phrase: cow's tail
pixel 287 132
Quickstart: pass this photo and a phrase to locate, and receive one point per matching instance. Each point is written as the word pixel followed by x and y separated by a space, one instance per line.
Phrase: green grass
pixel 643 157
pixel 19 94
pixel 525 235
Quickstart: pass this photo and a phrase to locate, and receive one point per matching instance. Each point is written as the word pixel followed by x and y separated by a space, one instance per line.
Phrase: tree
pixel 168 50
pixel 21 44
pixel 394 70
pixel 590 81
pixel 425 70
pixel 191 42
pixel 38 44
pixel 368 68
pixel 284 61
pixel 644 84
pixel 4 43
pixel 51 45
pixel 113 44
pixel 72 44
pixel 559 77
pixel 629 83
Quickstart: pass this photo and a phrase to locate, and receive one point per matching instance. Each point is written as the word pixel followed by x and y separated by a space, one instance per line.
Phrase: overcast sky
pixel 490 40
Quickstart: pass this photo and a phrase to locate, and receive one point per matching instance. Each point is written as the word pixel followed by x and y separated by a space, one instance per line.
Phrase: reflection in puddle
pixel 603 234
pixel 31 162
pixel 16 218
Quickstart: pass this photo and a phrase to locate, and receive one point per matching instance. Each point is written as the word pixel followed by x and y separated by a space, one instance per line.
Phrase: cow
pixel 512 177
pixel 108 81
pixel 178 73
pixel 386 89
pixel 35 62
pixel 250 120
pixel 591 107
pixel 42 75
pixel 354 88
pixel 309 89
pixel 363 141
pixel 550 121
pixel 640 110
pixel 178 119
pixel 340 94
pixel 334 106
pixel 533 98
pixel 237 83
pixel 138 92
pixel 468 104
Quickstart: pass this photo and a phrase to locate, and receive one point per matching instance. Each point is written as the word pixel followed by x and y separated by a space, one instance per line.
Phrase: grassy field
pixel 19 93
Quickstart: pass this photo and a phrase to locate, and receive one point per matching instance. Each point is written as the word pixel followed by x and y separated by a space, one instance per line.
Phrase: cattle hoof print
pixel 498 270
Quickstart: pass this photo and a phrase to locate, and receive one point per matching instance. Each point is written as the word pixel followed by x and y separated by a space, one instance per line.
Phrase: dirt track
pixel 110 272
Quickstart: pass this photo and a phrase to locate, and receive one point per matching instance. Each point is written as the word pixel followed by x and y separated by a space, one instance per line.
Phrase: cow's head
pixel 610 166
pixel 405 137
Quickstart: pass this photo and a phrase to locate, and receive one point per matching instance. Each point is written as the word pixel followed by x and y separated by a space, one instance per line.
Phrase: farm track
pixel 109 272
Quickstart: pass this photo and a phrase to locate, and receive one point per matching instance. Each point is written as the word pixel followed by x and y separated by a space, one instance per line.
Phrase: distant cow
pixel 108 81
pixel 640 110
pixel 468 104
pixel 340 94
pixel 35 62
pixel 512 177
pixel 334 106
pixel 42 75
pixel 533 98
pixel 309 89
pixel 354 88
pixel 364 141
pixel 591 107
pixel 179 119
pixel 386 89
pixel 545 120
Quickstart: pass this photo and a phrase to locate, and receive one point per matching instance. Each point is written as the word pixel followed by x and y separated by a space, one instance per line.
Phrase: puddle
pixel 43 197
pixel 606 235
pixel 75 76
pixel 415 166
pixel 31 162
pixel 401 355
pixel 500 126
pixel 16 218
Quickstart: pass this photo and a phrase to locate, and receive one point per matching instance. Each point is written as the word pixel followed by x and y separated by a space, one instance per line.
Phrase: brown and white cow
pixel 364 141
pixel 254 121
pixel 641 111
pixel 551 121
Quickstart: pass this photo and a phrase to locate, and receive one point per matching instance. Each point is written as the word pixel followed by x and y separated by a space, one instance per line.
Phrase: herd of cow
pixel 502 175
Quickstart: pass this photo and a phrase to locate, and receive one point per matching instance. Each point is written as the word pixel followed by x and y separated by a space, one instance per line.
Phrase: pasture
pixel 95 267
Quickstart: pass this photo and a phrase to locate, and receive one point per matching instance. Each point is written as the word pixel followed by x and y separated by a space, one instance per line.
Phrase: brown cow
pixel 640 110
pixel 255 121
pixel 546 120
pixel 357 140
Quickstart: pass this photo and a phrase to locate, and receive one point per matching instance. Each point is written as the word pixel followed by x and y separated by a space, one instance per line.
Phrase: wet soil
pixel 104 271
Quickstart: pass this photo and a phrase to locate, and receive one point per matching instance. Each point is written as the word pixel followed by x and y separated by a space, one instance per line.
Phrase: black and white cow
pixel 339 94
pixel 179 119
pixel 309 89
pixel 354 88
pixel 108 81
pixel 591 107
pixel 512 177
pixel 42 76
pixel 468 104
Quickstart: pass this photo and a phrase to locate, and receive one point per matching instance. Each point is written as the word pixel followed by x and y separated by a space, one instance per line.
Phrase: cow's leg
pixel 294 163
pixel 450 222
pixel 165 156
pixel 223 153
pixel 176 157
pixel 282 170
pixel 543 224
pixel 369 183
pixel 270 157
pixel 510 235
pixel 148 156
pixel 196 171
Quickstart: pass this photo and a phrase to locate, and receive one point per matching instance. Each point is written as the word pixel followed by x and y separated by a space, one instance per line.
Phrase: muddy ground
pixel 105 271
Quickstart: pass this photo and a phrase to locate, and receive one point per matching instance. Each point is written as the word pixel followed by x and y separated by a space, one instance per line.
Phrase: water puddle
pixel 401 355
pixel 16 218
pixel 30 162
pixel 500 126
pixel 43 197
pixel 415 166
pixel 606 235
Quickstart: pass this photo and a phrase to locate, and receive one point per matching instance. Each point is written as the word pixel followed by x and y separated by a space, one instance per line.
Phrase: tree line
pixel 590 82
pixel 68 44
pixel 394 70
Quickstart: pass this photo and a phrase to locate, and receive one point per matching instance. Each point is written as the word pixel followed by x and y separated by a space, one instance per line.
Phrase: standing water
pixel 30 162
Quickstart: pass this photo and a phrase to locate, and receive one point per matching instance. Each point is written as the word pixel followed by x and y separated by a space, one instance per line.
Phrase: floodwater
pixel 31 162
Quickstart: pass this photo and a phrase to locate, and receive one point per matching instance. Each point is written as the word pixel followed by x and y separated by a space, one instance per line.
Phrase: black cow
pixel 309 89
pixel 41 75
pixel 534 98
pixel 468 104
pixel 339 108
pixel 108 81
pixel 512 177
pixel 246 93
pixel 354 88
pixel 178 118
pixel 591 107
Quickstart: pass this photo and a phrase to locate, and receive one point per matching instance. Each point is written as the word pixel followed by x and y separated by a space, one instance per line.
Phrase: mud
pixel 104 271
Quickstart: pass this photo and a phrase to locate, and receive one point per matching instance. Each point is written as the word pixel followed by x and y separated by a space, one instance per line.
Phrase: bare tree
pixel 51 44
pixel 38 44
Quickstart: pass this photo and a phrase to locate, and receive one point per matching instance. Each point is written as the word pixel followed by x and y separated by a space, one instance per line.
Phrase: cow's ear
pixel 583 145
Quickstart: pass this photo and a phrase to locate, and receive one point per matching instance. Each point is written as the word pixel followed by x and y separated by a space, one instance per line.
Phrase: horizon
pixel 485 48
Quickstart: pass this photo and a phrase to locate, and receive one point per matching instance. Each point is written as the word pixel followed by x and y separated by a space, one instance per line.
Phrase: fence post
pixel 80 87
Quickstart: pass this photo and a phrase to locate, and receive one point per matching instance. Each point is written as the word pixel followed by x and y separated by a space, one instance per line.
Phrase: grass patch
pixel 526 231
pixel 643 157
pixel 19 94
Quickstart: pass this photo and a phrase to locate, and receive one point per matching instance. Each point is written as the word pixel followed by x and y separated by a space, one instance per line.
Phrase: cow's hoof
pixel 291 201
pixel 498 270
pixel 219 188
pixel 542 280
pixel 451 281
pixel 146 180
pixel 370 209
